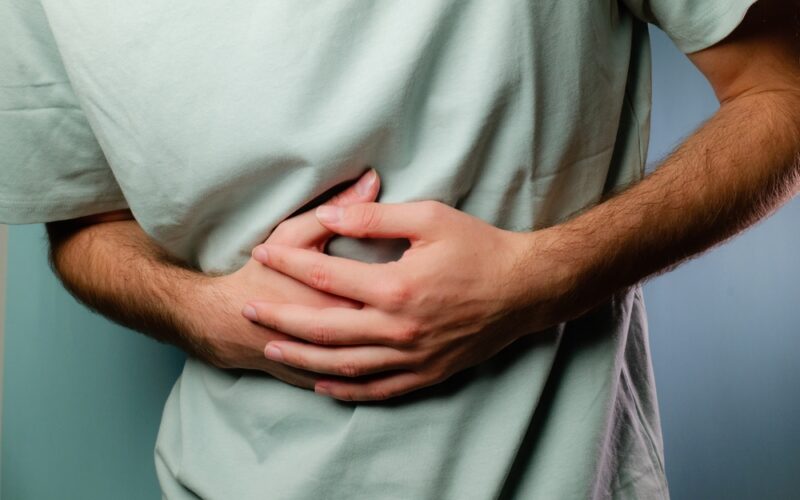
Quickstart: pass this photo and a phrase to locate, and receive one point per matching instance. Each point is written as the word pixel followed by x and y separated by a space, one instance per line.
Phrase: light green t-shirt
pixel 214 121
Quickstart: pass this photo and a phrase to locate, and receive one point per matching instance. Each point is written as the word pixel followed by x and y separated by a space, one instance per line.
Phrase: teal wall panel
pixel 82 396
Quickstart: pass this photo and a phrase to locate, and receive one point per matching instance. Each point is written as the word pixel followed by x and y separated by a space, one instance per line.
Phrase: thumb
pixel 384 220
pixel 305 231
pixel 365 190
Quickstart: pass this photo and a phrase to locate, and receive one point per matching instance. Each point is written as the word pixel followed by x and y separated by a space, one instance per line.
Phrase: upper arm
pixel 762 54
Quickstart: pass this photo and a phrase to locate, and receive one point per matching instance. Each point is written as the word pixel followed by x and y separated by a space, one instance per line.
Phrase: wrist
pixel 199 317
pixel 551 278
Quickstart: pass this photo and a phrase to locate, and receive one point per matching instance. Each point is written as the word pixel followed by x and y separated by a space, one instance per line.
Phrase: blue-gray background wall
pixel 82 397
pixel 725 334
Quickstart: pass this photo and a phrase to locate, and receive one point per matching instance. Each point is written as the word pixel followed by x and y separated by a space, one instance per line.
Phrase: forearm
pixel 117 270
pixel 737 168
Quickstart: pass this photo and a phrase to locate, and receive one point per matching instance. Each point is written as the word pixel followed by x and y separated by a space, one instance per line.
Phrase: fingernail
pixel 323 389
pixel 249 312
pixel 327 213
pixel 366 182
pixel 273 353
pixel 260 254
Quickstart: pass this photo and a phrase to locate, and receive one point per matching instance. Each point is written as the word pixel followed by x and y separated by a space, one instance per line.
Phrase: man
pixel 494 345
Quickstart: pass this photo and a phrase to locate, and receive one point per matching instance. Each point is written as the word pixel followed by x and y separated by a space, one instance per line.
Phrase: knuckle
pixel 379 394
pixel 265 319
pixel 343 198
pixel 420 361
pixel 348 369
pixel 285 232
pixel 437 373
pixel 430 210
pixel 407 333
pixel 416 360
pixel 321 335
pixel 280 229
pixel 345 395
pixel 296 358
pixel 397 293
pixel 318 276
pixel 368 218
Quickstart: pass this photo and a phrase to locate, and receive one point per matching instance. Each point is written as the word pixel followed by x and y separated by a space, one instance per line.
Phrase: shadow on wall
pixel 725 333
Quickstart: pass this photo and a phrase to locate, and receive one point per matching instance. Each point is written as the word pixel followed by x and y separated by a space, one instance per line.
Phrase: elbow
pixel 61 234
pixel 58 233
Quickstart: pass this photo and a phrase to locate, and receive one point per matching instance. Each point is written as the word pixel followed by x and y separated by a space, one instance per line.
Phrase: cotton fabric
pixel 213 122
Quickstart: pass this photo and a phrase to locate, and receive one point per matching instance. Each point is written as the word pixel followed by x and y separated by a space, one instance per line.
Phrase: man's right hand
pixel 239 343
pixel 110 264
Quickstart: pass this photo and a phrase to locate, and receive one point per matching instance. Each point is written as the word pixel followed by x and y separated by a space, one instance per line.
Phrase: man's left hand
pixel 461 292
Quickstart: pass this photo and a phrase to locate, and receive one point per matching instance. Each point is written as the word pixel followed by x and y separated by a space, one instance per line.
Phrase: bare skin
pixel 422 319
pixel 110 264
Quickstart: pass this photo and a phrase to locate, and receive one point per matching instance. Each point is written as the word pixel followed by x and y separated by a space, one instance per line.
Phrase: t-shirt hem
pixel 32 212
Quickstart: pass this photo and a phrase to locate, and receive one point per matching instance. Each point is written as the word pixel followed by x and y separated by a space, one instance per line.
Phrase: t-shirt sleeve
pixel 51 166
pixel 692 24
